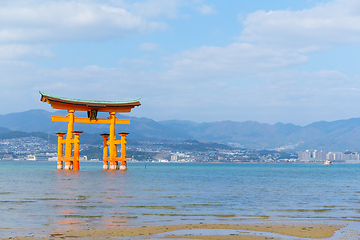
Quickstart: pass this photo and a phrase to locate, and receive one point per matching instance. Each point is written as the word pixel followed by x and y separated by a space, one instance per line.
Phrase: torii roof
pixel 87 105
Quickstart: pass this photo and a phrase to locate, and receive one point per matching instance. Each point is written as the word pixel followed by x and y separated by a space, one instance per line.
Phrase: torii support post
pixel 105 151
pixel 123 141
pixel 69 141
pixel 60 154
pixel 114 165
pixel 76 149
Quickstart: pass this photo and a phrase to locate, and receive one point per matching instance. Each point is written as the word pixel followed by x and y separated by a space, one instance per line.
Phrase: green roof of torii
pixel 87 105
pixel 88 101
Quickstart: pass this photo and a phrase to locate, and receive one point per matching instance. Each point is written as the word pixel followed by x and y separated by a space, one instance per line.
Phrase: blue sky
pixel 267 61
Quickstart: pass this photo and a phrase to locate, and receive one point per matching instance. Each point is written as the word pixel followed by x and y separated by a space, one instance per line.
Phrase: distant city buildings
pixel 304 156
pixel 19 148
pixel 180 157
pixel 320 156
pixel 37 149
pixel 42 157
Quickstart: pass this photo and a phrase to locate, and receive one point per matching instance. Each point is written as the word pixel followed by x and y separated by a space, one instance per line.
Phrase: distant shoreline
pixel 170 162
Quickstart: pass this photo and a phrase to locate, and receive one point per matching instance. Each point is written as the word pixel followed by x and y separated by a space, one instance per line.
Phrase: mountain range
pixel 338 135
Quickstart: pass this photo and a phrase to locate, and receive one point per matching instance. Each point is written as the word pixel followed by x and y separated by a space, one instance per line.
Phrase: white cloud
pixel 21 51
pixel 319 79
pixel 325 24
pixel 207 9
pixel 68 20
pixel 271 41
pixel 148 46
pixel 155 8
pixel 169 8
pixel 233 60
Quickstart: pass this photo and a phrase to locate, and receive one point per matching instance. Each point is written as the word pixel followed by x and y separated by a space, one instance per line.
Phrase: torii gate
pixel 73 137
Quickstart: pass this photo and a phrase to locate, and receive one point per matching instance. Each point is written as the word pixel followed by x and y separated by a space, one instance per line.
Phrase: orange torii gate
pixel 72 140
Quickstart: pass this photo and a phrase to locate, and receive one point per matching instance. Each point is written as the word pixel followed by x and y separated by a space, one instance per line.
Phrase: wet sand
pixel 303 230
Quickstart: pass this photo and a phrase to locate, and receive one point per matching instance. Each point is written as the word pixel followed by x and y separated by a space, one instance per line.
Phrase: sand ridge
pixel 305 230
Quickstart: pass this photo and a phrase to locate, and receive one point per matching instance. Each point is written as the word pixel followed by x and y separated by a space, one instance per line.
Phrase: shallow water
pixel 36 198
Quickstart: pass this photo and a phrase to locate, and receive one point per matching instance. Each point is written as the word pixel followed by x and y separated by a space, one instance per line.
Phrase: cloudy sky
pixel 201 60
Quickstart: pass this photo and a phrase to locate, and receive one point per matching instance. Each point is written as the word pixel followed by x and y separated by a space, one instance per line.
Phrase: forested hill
pixel 338 135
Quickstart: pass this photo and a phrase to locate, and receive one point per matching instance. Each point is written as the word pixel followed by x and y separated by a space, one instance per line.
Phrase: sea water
pixel 36 199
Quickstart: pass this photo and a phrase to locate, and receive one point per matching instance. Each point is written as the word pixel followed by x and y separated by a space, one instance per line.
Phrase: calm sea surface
pixel 36 198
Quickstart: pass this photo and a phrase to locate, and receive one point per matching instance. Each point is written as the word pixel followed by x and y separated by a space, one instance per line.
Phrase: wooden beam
pixel 87 120
pixel 65 106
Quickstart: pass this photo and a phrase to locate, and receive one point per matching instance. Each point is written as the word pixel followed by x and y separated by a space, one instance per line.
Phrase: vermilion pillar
pixel 60 154
pixel 112 143
pixel 123 141
pixel 76 150
pixel 69 140
pixel 105 151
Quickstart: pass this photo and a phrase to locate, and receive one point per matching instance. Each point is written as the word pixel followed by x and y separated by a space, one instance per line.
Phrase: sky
pixel 199 60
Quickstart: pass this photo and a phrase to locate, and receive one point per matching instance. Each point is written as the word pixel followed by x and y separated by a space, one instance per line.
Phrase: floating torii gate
pixel 71 157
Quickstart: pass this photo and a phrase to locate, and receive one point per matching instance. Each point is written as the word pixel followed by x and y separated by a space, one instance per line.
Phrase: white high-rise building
pixel 304 156
pixel 319 155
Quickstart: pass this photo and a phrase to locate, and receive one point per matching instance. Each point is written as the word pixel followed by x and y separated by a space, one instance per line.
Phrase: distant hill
pixel 249 134
pixel 20 134
pixel 4 130
pixel 338 135
pixel 40 121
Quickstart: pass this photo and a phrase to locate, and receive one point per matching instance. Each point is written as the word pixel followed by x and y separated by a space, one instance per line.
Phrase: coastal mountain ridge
pixel 337 135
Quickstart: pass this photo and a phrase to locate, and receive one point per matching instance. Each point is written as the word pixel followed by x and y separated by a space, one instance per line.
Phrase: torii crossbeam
pixel 73 137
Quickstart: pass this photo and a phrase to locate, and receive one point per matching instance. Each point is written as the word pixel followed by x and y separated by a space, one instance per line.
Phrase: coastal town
pixel 38 149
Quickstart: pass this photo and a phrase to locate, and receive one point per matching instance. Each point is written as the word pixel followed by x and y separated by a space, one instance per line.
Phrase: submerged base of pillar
pixel 114 166
pixel 105 165
pixel 60 165
pixel 123 167
pixel 68 166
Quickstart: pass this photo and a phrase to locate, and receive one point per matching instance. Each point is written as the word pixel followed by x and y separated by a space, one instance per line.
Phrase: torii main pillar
pixel 71 157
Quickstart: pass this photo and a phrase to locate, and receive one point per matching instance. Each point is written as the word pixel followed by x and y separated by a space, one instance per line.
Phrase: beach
pixel 201 201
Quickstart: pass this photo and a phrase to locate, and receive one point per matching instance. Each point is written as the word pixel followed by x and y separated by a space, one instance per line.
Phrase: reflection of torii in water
pixel 73 137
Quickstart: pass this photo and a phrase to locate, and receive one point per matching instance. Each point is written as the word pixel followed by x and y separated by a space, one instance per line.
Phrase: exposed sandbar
pixel 298 229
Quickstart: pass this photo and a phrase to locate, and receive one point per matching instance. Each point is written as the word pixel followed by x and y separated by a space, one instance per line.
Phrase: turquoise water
pixel 36 199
